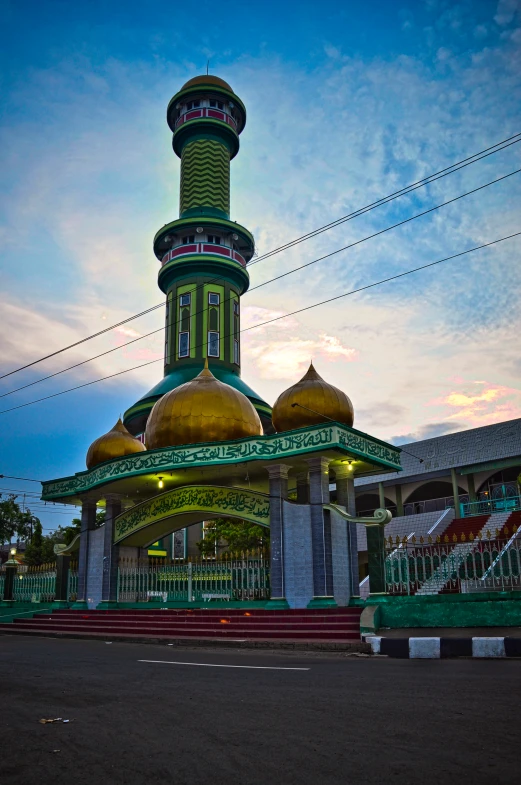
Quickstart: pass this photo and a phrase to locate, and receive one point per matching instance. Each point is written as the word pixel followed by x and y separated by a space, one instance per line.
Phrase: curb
pixel 443 648
pixel 350 647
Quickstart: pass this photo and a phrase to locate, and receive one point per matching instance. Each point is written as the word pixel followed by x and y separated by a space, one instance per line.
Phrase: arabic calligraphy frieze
pixel 277 446
pixel 248 505
pixel 368 448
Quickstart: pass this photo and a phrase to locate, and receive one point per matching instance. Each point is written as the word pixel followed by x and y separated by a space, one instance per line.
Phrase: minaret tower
pixel 203 254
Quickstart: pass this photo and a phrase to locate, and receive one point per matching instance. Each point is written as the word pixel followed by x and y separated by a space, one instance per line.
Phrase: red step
pixel 335 624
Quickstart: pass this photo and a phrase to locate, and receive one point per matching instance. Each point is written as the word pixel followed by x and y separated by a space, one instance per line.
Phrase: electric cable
pixel 265 283
pixel 402 192
pixel 413 186
pixel 275 319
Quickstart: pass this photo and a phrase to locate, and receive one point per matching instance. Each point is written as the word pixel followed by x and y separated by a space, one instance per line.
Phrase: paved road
pixel 340 720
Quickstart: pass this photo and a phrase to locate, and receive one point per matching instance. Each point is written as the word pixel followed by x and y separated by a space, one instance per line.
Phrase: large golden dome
pixel 114 444
pixel 311 392
pixel 202 410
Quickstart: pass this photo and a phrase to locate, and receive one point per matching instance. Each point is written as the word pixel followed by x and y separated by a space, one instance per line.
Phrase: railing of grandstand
pixel 458 564
pixel 242 576
pixel 490 505
pixel 427 505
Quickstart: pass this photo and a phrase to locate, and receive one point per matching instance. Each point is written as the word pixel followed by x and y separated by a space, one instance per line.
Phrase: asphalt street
pixel 160 714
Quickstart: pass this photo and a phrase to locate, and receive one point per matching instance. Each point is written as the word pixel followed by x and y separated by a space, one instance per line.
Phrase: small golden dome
pixel 114 444
pixel 206 80
pixel 311 392
pixel 201 410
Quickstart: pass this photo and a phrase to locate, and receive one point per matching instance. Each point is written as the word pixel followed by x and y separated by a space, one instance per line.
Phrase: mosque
pixel 202 444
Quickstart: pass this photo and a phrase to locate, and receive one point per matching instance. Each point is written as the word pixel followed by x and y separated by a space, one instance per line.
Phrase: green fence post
pixel 376 558
pixel 11 567
pixel 61 595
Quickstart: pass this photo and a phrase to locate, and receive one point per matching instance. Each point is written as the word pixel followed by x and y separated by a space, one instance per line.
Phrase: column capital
pixel 88 501
pixel 278 470
pixel 110 498
pixel 320 464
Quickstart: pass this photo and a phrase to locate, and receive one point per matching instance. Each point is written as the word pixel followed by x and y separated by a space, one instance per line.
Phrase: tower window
pixel 216 104
pixel 184 344
pixel 184 299
pixel 215 239
pixel 213 344
pixel 190 238
pixel 193 105
pixel 236 354
pixel 213 298
pixel 236 307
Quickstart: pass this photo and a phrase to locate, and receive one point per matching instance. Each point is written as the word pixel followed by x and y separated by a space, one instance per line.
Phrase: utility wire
pixel 265 283
pixel 387 229
pixel 10 477
pixel 413 186
pixel 277 318
pixel 402 192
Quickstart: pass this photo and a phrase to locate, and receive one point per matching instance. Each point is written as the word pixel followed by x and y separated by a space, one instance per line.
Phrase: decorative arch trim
pixel 157 517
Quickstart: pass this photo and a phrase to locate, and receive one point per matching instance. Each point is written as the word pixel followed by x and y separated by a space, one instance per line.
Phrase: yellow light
pixel 13 551
pixel 350 467
pixel 160 483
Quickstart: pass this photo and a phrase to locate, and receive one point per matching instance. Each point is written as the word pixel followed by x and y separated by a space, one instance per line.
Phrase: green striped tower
pixel 203 254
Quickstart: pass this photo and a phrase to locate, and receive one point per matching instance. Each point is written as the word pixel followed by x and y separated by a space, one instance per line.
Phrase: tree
pixel 15 522
pixel 234 535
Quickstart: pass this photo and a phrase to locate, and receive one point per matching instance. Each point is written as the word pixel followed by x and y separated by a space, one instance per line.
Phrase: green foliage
pixel 15 522
pixel 234 535
pixel 40 549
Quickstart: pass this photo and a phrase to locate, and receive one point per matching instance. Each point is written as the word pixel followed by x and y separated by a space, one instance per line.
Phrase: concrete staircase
pixel 335 624
pixel 480 523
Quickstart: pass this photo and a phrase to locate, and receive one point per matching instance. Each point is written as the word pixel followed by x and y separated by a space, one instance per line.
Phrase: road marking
pixel 212 665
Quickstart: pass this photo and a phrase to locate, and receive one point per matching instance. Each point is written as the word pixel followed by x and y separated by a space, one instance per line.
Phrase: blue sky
pixel 347 102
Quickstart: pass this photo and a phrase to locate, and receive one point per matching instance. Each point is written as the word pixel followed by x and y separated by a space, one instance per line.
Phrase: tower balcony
pixel 203 248
pixel 213 114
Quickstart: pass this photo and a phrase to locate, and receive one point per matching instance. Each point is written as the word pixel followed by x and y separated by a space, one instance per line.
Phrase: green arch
pixel 155 518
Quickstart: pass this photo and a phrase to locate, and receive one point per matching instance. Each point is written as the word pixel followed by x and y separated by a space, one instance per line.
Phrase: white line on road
pixel 212 665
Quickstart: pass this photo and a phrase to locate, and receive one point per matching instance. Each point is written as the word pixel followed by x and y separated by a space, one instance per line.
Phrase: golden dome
pixel 206 80
pixel 201 410
pixel 313 393
pixel 114 444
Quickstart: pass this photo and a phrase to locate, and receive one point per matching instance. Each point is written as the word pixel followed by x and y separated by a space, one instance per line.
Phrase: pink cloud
pixel 493 403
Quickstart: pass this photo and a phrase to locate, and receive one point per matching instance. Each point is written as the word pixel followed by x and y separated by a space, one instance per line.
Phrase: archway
pixel 153 519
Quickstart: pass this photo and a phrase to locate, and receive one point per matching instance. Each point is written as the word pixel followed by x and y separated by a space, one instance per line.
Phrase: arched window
pixel 236 331
pixel 184 325
pixel 213 348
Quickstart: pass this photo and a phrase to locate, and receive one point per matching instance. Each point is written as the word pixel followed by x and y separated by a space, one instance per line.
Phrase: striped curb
pixel 442 648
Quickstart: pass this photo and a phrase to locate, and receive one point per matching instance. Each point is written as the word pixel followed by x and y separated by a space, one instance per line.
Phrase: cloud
pixel 506 10
pixel 428 431
pixel 320 142
pixel 490 403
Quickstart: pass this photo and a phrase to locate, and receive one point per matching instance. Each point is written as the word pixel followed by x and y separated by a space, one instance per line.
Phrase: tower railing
pixel 213 248
pixel 204 111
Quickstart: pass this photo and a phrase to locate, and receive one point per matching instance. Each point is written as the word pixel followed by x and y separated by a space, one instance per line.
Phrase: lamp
pixel 160 484
pixel 12 552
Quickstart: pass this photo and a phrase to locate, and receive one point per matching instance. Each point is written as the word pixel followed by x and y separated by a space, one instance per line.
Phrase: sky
pixel 347 102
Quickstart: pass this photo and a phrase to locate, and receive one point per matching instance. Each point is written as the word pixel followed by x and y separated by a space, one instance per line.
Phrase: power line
pixel 10 477
pixel 265 283
pixel 275 319
pixel 387 229
pixel 402 192
pixel 384 200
